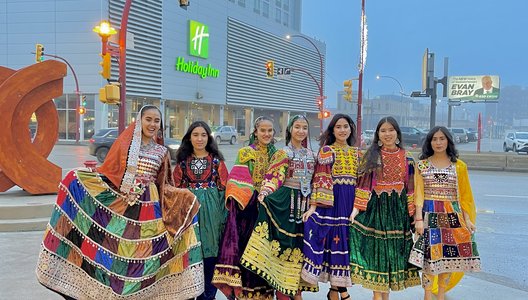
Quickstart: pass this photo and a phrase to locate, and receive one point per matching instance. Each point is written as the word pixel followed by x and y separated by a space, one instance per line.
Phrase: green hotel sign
pixel 194 67
pixel 198 39
pixel 199 47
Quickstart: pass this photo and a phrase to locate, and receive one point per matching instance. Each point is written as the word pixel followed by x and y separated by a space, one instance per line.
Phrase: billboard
pixel 479 88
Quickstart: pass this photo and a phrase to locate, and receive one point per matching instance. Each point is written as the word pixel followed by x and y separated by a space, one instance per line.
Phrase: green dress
pixel 206 177
pixel 381 237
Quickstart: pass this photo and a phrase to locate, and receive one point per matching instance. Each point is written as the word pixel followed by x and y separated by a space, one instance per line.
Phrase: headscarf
pixel 253 138
pixel 120 165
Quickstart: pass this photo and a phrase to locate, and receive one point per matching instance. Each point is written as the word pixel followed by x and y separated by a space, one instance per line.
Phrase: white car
pixel 516 141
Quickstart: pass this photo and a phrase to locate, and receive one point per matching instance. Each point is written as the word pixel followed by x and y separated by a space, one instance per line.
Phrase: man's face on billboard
pixel 486 83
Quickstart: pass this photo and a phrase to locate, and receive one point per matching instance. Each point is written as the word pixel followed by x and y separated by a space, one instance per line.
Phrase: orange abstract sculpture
pixel 24 162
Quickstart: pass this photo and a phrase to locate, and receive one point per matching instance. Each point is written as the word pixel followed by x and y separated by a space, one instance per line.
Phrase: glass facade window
pixel 265 8
pixel 286 19
pixel 256 6
pixel 242 3
pixel 286 5
pixel 278 14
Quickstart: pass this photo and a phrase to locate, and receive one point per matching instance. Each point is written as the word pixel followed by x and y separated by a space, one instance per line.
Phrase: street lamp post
pixel 401 94
pixel 104 31
pixel 320 83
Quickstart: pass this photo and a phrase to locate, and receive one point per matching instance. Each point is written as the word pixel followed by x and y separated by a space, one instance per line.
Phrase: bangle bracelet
pixel 418 220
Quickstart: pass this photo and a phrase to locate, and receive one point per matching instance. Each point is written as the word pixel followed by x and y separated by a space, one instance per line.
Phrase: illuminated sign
pixel 194 67
pixel 198 39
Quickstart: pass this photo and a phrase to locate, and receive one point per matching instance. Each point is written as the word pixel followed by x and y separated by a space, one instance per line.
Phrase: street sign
pixel 284 73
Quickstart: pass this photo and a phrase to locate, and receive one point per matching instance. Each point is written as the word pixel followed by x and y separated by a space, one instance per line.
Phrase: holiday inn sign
pixel 199 47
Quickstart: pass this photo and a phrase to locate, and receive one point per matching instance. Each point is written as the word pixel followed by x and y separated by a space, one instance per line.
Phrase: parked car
pixel 224 133
pixel 368 136
pixel 472 134
pixel 459 135
pixel 412 136
pixel 103 139
pixel 516 141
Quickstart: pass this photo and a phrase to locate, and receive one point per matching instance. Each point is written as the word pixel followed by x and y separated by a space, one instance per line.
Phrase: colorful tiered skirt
pixel 96 246
pixel 274 250
pixel 229 276
pixel 380 244
pixel 446 245
pixel 326 247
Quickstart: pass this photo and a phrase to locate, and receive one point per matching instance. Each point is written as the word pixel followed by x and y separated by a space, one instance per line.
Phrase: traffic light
pixel 81 110
pixel 319 102
pixel 270 69
pixel 109 94
pixel 324 114
pixel 106 64
pixel 39 53
pixel 83 100
pixel 347 84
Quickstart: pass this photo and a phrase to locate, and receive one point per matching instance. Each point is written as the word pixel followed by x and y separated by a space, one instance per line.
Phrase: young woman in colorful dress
pixel 242 189
pixel 327 220
pixel 445 216
pixel 200 168
pixel 380 235
pixel 278 232
pixel 125 231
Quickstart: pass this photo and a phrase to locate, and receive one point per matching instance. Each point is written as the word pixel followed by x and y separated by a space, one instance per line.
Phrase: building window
pixel 242 3
pixel 286 19
pixel 278 3
pixel 278 13
pixel 256 6
pixel 265 8
pixel 232 1
pixel 286 5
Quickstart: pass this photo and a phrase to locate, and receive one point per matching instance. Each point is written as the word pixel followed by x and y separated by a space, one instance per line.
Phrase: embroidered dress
pixel 326 231
pixel 206 177
pixel 242 190
pixel 274 250
pixel 381 238
pixel 446 245
pixel 104 243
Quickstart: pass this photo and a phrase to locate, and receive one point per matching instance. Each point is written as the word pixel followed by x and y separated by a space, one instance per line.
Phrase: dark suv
pixel 412 136
pixel 224 133
pixel 101 142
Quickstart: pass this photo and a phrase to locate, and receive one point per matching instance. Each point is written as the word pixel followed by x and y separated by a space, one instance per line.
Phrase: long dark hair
pixel 305 142
pixel 427 149
pixel 186 147
pixel 328 137
pixel 372 159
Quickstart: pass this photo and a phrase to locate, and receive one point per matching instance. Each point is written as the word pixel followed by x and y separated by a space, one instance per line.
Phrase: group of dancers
pixel 276 225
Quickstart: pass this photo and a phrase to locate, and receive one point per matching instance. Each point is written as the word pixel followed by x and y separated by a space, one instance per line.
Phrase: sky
pixel 479 38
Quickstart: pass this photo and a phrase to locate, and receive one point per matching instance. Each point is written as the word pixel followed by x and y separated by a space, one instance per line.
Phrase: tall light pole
pixel 401 94
pixel 320 83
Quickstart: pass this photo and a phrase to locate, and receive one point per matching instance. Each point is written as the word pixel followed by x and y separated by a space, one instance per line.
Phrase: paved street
pixel 502 234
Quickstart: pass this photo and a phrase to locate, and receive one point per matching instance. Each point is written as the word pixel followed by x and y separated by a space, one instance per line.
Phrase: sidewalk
pixel 18 281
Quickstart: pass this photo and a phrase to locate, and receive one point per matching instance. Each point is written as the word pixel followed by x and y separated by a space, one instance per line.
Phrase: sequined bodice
pixel 345 167
pixel 440 184
pixel 301 164
pixel 393 173
pixel 149 162
pixel 260 166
